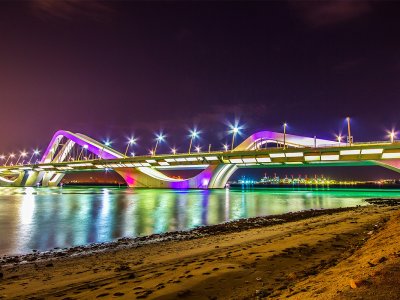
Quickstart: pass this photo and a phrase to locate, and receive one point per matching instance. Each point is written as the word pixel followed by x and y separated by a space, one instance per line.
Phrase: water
pixel 45 218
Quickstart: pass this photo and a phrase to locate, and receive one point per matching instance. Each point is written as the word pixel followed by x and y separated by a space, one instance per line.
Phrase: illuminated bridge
pixel 262 149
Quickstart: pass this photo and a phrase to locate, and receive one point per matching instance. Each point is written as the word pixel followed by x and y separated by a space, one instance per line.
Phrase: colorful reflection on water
pixel 45 218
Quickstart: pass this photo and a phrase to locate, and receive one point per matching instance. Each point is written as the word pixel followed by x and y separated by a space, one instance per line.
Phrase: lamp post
pixel 235 130
pixel 284 135
pixel 131 141
pixel 392 135
pixel 173 151
pixel 160 138
pixel 11 155
pixel 83 148
pixel 226 147
pixel 193 135
pixel 339 139
pixel 349 137
pixel 2 157
pixel 22 154
pixel 107 143
pixel 198 148
pixel 35 152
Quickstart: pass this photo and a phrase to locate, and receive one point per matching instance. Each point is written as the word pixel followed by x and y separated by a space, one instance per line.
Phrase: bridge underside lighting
pixel 350 152
pixel 191 159
pixel 371 151
pixel 312 158
pixel 330 157
pixel 391 155
pixel 177 167
pixel 210 158
pixel 294 154
pixel 263 159
pixel 277 155
pixel 236 160
pixel 64 168
pixel 249 160
pixel 80 165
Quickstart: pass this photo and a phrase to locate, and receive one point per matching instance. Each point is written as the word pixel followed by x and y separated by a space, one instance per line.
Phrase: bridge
pixel 265 149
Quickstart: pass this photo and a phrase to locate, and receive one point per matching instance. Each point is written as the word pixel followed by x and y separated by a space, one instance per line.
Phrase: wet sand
pixel 326 254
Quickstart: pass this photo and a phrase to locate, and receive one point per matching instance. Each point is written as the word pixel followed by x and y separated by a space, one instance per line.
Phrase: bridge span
pixel 217 167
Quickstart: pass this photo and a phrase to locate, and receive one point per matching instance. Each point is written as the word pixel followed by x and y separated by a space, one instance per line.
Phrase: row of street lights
pixel 22 156
pixel 193 135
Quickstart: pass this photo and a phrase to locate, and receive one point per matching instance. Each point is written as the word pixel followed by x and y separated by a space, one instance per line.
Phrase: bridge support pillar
pixel 214 176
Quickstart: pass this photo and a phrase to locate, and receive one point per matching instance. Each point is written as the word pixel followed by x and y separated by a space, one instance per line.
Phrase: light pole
pixel 107 143
pixel 198 148
pixel 284 135
pixel 12 155
pixel 226 147
pixel 339 139
pixel 2 157
pixel 392 135
pixel 83 148
pixel 35 152
pixel 349 137
pixel 131 141
pixel 173 151
pixel 235 130
pixel 193 135
pixel 159 138
pixel 22 154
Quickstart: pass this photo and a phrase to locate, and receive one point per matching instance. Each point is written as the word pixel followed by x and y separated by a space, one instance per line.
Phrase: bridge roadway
pixel 146 171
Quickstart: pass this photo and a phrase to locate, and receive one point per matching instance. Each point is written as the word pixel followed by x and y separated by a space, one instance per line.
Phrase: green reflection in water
pixel 44 218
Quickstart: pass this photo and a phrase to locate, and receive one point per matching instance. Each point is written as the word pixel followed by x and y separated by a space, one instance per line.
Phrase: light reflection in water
pixel 44 218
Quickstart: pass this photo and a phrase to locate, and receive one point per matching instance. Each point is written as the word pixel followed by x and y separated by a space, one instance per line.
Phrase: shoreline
pixel 183 235
pixel 294 255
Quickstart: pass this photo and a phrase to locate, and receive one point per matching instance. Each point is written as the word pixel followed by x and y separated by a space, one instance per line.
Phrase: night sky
pixel 110 69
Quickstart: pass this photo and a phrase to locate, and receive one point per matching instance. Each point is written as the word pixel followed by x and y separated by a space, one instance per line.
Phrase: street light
pixel 193 135
pixel 392 136
pixel 173 151
pixel 284 135
pixel 339 138
pixel 12 155
pixel 22 154
pixel 131 141
pixel 226 147
pixel 159 138
pixel 35 152
pixel 349 137
pixel 84 147
pixel 198 148
pixel 107 143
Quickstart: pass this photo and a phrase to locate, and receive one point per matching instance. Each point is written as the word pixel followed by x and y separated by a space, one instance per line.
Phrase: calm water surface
pixel 44 218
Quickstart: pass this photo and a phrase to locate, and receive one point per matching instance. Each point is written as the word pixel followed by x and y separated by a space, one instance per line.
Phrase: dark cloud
pixel 70 9
pixel 325 13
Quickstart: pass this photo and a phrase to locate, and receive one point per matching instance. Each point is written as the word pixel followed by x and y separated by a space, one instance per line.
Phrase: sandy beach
pixel 327 254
